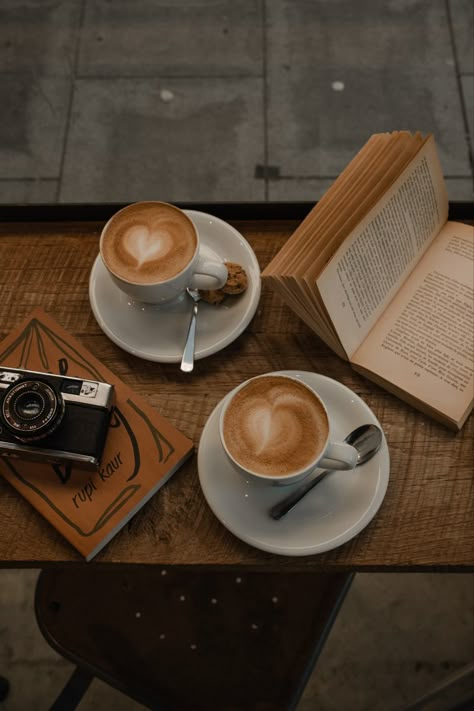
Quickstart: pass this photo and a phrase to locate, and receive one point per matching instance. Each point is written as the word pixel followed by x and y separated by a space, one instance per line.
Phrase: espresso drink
pixel 275 426
pixel 148 242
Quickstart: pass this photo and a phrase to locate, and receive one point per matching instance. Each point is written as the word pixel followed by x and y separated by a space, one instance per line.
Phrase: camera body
pixel 53 418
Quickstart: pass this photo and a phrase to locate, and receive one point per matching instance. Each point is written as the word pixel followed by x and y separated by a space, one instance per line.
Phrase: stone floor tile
pixel 101 696
pixel 315 143
pixel 28 191
pixel 15 589
pixel 175 139
pixel 396 636
pixel 20 639
pixel 34 117
pixel 38 686
pixel 460 188
pixel 35 686
pixel 149 38
pixel 467 83
pixel 39 36
pixel 462 17
pixel 337 74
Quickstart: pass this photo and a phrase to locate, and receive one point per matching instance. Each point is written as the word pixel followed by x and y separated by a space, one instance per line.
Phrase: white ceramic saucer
pixel 159 333
pixel 335 511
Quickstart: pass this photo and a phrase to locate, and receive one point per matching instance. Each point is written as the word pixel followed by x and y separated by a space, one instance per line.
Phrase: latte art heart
pixel 275 426
pixel 145 245
pixel 269 425
pixel 148 242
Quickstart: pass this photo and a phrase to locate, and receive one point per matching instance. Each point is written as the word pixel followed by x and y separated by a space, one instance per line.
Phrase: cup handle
pixel 339 455
pixel 208 274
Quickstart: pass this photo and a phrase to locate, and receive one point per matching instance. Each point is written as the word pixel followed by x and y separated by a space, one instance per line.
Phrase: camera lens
pixel 29 406
pixel 32 409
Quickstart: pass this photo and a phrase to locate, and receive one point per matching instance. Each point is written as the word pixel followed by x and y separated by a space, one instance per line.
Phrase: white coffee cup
pixel 151 251
pixel 276 428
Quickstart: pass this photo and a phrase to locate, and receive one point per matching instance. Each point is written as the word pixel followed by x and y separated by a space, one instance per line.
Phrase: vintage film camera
pixel 53 418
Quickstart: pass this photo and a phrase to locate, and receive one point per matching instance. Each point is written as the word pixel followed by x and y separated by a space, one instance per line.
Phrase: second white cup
pixel 276 428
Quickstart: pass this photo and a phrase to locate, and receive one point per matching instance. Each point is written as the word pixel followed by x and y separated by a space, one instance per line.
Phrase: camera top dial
pixel 32 409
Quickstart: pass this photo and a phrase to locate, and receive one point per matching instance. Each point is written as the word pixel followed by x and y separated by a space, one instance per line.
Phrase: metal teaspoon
pixel 367 439
pixel 187 361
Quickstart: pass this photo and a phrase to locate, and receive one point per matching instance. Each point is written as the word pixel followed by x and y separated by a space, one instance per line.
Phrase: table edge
pixel 268 566
pixel 97 212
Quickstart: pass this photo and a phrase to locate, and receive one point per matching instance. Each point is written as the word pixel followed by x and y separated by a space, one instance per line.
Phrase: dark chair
pixel 182 639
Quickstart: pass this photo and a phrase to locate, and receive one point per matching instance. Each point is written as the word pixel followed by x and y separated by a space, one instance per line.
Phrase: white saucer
pixel 335 511
pixel 158 333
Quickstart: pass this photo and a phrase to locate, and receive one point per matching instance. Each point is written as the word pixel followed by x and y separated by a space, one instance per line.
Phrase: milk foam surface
pixel 148 243
pixel 275 426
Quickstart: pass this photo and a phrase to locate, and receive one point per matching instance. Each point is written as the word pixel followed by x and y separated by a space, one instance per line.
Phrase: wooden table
pixel 426 521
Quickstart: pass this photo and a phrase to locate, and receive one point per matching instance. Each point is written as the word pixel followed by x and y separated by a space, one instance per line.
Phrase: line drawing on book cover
pixel 39 348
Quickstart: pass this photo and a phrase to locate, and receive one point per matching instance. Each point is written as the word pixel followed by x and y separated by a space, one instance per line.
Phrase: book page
pixel 282 262
pixel 369 267
pixel 359 198
pixel 327 211
pixel 424 342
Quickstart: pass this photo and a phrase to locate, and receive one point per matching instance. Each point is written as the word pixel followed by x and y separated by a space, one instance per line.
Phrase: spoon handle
pixel 281 509
pixel 187 361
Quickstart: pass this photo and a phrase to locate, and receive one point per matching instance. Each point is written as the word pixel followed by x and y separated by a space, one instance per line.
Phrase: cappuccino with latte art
pixel 275 426
pixel 148 242
pixel 152 253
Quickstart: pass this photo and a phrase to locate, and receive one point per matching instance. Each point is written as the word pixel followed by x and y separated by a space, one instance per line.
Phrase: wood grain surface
pixel 426 520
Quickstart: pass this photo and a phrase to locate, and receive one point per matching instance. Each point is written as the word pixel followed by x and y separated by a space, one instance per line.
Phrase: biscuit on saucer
pixel 236 283
pixel 237 280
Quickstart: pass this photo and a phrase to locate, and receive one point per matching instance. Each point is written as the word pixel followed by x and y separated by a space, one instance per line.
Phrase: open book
pixel 380 275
